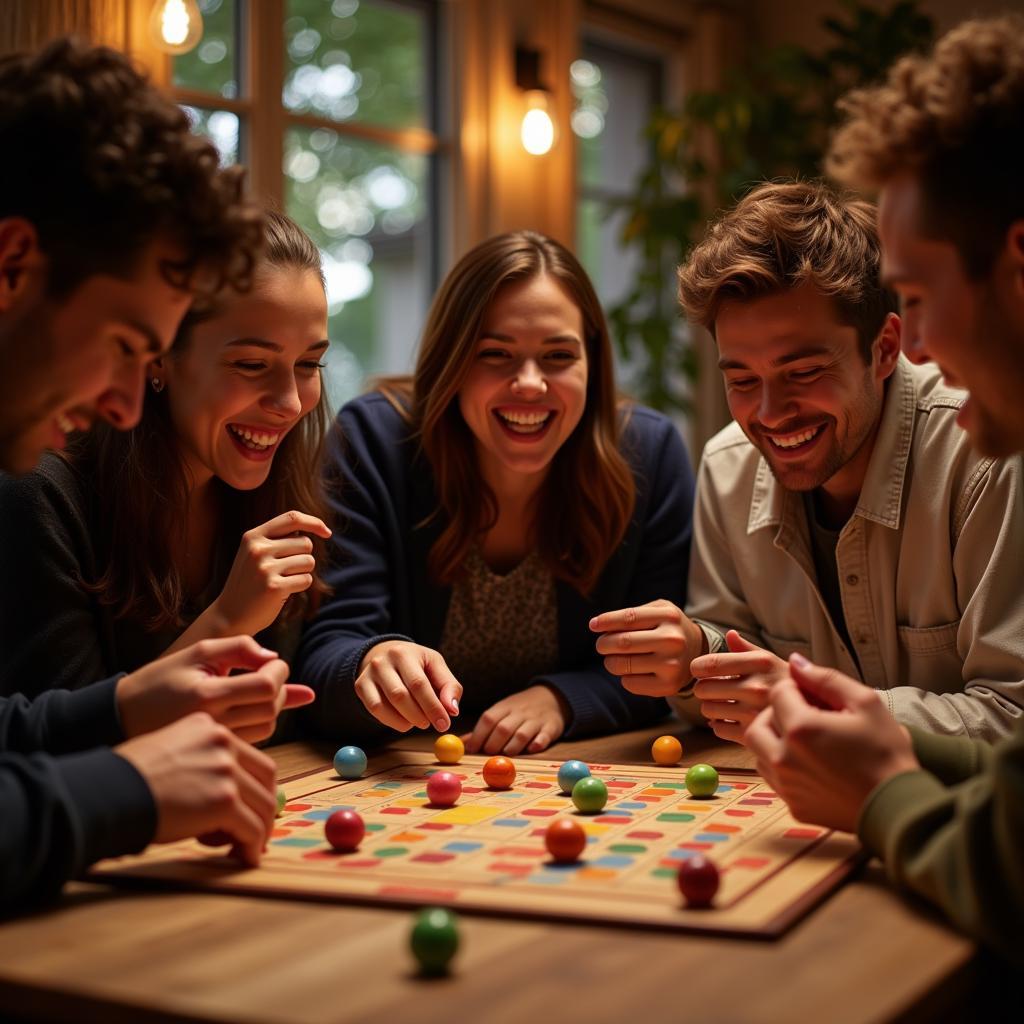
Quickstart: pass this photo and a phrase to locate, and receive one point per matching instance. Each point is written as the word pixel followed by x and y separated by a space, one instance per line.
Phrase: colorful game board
pixel 487 853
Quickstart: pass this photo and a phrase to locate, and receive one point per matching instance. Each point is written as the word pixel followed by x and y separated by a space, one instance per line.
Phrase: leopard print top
pixel 501 631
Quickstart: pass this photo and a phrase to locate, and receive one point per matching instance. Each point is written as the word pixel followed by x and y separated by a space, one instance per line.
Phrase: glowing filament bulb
pixel 538 130
pixel 176 25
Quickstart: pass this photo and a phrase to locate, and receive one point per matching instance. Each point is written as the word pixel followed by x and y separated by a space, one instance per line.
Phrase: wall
pixel 773 22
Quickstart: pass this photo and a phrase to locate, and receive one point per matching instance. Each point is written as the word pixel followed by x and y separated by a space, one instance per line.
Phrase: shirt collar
pixel 881 496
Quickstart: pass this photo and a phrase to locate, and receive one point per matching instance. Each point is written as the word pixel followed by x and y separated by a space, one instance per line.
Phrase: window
pixel 616 91
pixel 332 106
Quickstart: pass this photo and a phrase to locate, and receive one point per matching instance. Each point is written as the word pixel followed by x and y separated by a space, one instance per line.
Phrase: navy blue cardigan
pixel 382 487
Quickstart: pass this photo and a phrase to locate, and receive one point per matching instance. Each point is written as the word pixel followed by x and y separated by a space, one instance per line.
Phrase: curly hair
pixel 954 120
pixel 101 164
pixel 781 235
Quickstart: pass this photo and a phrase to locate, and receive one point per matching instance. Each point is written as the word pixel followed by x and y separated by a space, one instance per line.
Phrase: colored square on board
pixel 596 874
pixel 802 833
pixel 298 841
pixel 754 863
pixel 613 861
pixel 470 814
pixel 461 846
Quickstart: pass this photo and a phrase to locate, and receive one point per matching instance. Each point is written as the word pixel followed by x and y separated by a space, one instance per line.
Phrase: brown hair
pixel 141 488
pixel 588 496
pixel 102 163
pixel 781 235
pixel 955 120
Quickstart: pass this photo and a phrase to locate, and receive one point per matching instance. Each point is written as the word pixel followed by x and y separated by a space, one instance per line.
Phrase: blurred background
pixel 399 133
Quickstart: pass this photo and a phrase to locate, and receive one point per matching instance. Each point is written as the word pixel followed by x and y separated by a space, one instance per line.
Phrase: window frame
pixel 263 119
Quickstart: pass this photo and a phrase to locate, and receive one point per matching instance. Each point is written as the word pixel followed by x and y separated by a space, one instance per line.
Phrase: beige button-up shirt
pixel 929 566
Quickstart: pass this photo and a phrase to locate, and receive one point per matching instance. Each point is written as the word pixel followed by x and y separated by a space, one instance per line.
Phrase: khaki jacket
pixel 928 566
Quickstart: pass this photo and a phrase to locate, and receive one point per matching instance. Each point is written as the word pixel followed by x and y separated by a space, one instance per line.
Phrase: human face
pixel 798 386
pixel 66 364
pixel 527 387
pixel 247 376
pixel 973 330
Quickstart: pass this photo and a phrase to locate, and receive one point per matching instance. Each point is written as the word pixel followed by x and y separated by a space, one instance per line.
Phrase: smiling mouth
pixel 797 440
pixel 70 421
pixel 526 423
pixel 254 440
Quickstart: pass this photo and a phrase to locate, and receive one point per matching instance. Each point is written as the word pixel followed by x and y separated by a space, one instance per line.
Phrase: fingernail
pixel 441 723
pixel 269 653
pixel 455 706
pixel 799 660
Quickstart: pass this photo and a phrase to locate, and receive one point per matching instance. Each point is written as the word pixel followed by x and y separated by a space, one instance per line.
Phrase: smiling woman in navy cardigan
pixel 485 510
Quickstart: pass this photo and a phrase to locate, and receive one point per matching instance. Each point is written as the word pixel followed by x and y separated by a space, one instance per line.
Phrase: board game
pixel 486 854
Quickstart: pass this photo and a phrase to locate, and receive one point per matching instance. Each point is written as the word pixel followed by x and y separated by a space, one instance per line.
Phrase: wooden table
pixel 108 955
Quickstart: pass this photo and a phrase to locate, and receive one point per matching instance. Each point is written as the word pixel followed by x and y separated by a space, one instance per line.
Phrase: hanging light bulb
pixel 176 25
pixel 537 130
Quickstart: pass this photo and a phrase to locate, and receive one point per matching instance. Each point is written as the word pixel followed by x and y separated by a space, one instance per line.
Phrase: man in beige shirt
pixel 843 515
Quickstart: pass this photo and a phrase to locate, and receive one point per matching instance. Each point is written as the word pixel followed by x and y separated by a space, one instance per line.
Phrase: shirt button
pixel 861 638
pixel 853 579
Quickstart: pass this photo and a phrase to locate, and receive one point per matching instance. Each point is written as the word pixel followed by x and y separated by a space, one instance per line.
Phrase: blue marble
pixel 570 773
pixel 350 763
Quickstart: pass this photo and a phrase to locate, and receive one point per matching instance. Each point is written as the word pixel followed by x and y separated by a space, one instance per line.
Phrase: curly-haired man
pixel 943 138
pixel 112 214
pixel 113 218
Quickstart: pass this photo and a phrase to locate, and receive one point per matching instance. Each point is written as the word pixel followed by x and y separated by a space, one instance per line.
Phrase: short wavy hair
pixel 781 235
pixel 955 120
pixel 101 163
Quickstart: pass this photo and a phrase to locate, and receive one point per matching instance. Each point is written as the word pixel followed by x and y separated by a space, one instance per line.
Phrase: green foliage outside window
pixel 771 119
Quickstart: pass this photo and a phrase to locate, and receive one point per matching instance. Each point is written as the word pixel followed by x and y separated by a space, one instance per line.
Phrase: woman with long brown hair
pixel 486 509
pixel 204 520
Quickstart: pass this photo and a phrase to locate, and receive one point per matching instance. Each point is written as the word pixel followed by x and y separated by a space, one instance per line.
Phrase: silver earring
pixel 157 384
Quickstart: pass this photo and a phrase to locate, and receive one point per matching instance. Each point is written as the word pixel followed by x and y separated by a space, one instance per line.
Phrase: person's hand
pixel 733 686
pixel 404 685
pixel 197 679
pixel 207 783
pixel 274 561
pixel 824 742
pixel 650 648
pixel 530 720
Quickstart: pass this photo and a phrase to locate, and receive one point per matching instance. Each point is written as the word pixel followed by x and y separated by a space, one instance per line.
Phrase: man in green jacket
pixel 943 140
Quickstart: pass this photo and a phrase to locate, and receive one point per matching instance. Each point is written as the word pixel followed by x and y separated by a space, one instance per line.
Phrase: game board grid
pixel 403 787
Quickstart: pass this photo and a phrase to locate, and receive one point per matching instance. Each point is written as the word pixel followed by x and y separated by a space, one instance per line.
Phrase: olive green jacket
pixel 954 833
